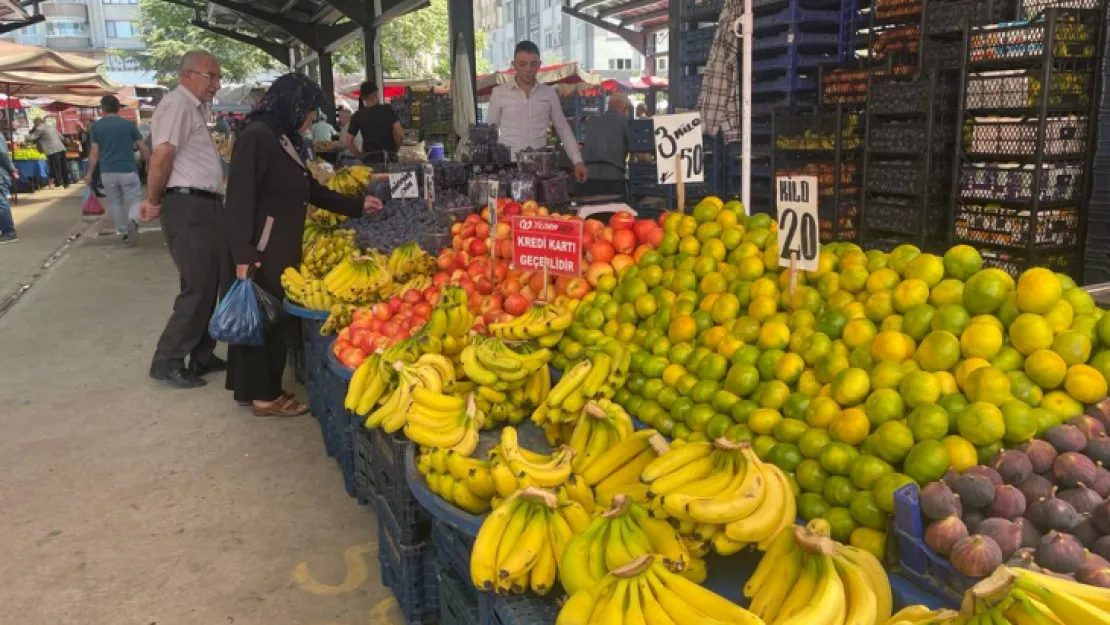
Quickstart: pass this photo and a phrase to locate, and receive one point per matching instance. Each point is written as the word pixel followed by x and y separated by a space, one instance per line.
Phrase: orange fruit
pixel 962 261
pixel 1038 290
pixel 939 351
pixel 683 328
pixel 1030 332
pixel 985 291
pixel 1085 384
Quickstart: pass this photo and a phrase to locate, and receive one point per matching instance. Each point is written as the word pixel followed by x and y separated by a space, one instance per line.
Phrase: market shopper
pixel 377 125
pixel 45 134
pixel 183 186
pixel 114 142
pixel 268 193
pixel 8 175
pixel 523 108
pixel 606 149
pixel 321 129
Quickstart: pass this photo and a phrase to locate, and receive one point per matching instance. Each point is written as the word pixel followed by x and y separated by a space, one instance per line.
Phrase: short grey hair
pixel 191 59
pixel 621 98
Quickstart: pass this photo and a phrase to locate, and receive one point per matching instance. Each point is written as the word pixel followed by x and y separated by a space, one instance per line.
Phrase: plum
pixel 1101 517
pixel 1094 575
pixel 1098 449
pixel 1008 503
pixel 1066 438
pixel 975 491
pixel 985 471
pixel 938 501
pixel 976 556
pixel 943 534
pixel 1040 453
pixel 1083 499
pixel 1072 469
pixel 1060 552
pixel 1013 465
pixel 1052 514
pixel 1029 534
pixel 1035 488
pixel 1089 426
pixel 1004 532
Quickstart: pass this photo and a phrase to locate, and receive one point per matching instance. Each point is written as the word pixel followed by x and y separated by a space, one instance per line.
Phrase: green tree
pixel 167 32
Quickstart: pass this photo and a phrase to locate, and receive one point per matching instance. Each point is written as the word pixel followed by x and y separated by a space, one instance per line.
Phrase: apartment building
pixel 93 28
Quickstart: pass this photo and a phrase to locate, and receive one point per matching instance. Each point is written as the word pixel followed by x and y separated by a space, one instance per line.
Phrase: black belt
pixel 212 195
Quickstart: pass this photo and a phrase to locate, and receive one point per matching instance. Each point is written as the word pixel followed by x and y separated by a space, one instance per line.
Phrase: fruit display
pixel 508 385
pixel 399 222
pixel 351 180
pixel 602 369
pixel 1018 596
pixel 806 577
pixel 515 467
pixel 645 591
pixel 459 480
pixel 28 154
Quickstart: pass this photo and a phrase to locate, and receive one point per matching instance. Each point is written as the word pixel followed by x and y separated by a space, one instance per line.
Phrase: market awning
pixel 10 11
pixel 47 84
pixel 24 58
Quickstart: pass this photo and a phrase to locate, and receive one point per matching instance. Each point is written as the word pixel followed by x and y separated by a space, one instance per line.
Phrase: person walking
pixel 45 134
pixel 183 187
pixel 268 193
pixel 8 175
pixel 113 144
pixel 377 126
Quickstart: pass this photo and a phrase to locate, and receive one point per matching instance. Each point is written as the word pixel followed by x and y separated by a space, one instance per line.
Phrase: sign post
pixel 799 231
pixel 492 190
pixel 679 154
pixel 551 245
pixel 403 185
pixel 429 186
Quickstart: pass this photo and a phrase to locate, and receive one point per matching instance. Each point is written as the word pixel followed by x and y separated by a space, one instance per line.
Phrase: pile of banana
pixel 521 542
pixel 603 425
pixel 351 180
pixel 603 369
pixel 373 378
pixel 310 293
pixel 450 323
pixel 326 250
pixel 806 577
pixel 417 282
pixel 459 480
pixel 510 383
pixel 409 260
pixel 645 591
pixel 339 317
pixel 443 421
pixel 514 467
pixel 616 471
pixel 615 538
pixel 321 217
pixel 1021 597
pixel 360 278
pixel 723 492
pixel 544 322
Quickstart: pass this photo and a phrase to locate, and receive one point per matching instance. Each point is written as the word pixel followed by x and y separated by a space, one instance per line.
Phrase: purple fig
pixel 1089 426
pixel 1101 517
pixel 1090 558
pixel 1102 547
pixel 1086 533
pixel 1083 499
pixel 1008 503
pixel 1101 484
pixel 1098 449
pixel 1030 537
pixel 1004 532
pixel 976 556
pixel 1013 465
pixel 1035 488
pixel 975 491
pixel 1072 469
pixel 972 519
pixel 1100 411
pixel 1052 514
pixel 943 534
pixel 1041 454
pixel 985 471
pixel 938 501
pixel 1059 552
pixel 949 476
pixel 1066 438
pixel 1094 576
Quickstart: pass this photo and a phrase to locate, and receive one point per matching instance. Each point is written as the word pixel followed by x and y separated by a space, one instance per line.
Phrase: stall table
pixel 33 174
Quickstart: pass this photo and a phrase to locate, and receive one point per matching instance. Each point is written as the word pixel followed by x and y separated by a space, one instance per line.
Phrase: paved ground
pixel 124 502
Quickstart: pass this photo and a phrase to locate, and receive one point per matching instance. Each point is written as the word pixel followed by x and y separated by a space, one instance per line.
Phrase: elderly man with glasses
pixel 184 187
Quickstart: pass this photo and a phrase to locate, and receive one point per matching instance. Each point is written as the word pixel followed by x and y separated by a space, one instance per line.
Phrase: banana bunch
pixel 359 279
pixel 310 293
pixel 522 540
pixel 451 321
pixel 603 425
pixel 544 322
pixel 519 401
pixel 510 383
pixel 514 467
pixel 409 261
pixel 368 383
pixel 459 480
pixel 339 317
pixel 324 217
pixel 616 471
pixel 615 538
pixel 443 421
pixel 806 577
pixel 350 181
pixel 1020 597
pixel 417 282
pixel 645 591
pixel 603 370
pixel 326 250
pixel 723 491
pixel 430 372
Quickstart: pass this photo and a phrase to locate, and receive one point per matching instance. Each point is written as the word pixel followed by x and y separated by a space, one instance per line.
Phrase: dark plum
pixel 1013 465
pixel 1090 426
pixel 1029 534
pixel 1004 532
pixel 1098 449
pixel 1008 503
pixel 985 471
pixel 943 534
pixel 976 556
pixel 1052 514
pixel 1066 438
pixel 1072 469
pixel 1041 454
pixel 938 501
pixel 975 491
pixel 1094 575
pixel 1035 488
pixel 949 476
pixel 1059 552
pixel 1083 499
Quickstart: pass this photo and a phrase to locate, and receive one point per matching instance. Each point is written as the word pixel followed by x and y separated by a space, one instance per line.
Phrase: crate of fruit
pixel 902 97
pixel 1058 182
pixel 901 137
pixel 1023 91
pixel 1063 136
pixel 1014 227
pixel 888 10
pixel 1074 36
pixel 944 18
pixel 1031 9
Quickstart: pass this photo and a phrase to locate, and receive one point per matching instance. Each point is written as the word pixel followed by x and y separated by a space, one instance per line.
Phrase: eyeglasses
pixel 209 75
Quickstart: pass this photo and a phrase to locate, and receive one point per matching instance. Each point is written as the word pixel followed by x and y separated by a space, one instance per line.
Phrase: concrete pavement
pixel 126 502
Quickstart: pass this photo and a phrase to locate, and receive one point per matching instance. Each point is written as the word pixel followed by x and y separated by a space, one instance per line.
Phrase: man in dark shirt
pixel 378 125
pixel 606 149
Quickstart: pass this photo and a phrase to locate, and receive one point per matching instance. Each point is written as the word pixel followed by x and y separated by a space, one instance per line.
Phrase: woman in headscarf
pixel 268 193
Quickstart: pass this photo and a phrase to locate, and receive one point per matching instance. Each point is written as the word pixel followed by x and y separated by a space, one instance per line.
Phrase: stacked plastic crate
pixel 1024 154
pixel 1097 258
pixel 579 109
pixel 698 27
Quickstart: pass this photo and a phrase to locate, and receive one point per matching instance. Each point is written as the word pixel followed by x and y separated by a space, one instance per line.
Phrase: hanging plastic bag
pixel 268 304
pixel 90 205
pixel 238 319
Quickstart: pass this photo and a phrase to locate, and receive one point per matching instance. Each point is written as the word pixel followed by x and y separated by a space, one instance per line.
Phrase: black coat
pixel 268 193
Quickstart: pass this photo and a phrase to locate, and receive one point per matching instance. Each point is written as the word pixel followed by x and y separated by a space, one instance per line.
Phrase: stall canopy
pixel 24 58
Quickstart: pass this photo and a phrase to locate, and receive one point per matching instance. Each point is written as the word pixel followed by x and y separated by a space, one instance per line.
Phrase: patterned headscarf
pixel 289 101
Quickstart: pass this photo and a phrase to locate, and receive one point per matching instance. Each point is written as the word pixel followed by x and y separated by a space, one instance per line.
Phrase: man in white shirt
pixel 321 129
pixel 522 109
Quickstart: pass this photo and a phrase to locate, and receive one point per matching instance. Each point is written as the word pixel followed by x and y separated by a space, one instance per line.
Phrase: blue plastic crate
pixel 921 564
pixel 793 39
pixel 805 18
pixel 339 421
pixel 791 61
pixel 525 609
pixel 785 84
pixel 641 174
pixel 387 462
pixel 361 443
pixel 409 571
pixel 694 45
pixel 708 9
pixel 452 548
pixel 641 135
pixel 459 604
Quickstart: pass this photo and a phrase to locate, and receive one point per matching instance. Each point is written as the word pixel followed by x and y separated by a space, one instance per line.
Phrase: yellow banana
pixel 618 456
pixel 574 567
pixel 569 383
pixel 863 605
pixel 677 608
pixel 768 564
pixel 358 383
pixel 775 588
pixel 709 603
pixel 654 614
pixel 543 570
pixel 675 459
pixel 765 521
pixel 827 605
pixel 527 548
pixel 691 472
pixel 483 571
pixel 468 500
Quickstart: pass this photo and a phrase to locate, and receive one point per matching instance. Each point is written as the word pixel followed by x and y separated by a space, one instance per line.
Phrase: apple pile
pixel 503 293
pixel 384 324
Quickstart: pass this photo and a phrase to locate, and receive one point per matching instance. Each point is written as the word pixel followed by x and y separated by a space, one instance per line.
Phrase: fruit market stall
pixel 32 167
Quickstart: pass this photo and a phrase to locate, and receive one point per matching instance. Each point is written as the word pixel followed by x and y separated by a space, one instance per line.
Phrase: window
pixel 120 64
pixel 117 29
pixel 63 28
pixel 620 63
pixel 661 64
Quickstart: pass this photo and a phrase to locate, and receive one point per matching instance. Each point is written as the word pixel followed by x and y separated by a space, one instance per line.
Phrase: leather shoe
pixel 180 377
pixel 202 369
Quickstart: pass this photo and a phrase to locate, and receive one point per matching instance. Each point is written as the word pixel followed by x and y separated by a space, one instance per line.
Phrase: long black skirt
pixel 255 373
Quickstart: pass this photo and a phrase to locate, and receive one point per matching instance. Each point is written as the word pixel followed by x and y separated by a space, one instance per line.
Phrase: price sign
pixel 429 185
pixel 403 185
pixel 492 189
pixel 679 135
pixel 553 244
pixel 799 232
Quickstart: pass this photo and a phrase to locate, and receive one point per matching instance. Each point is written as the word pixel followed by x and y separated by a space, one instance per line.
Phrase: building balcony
pixel 68 42
pixel 70 11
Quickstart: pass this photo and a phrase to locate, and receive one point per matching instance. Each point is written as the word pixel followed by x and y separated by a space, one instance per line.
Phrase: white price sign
pixel 492 189
pixel 678 144
pixel 799 230
pixel 403 185
pixel 429 184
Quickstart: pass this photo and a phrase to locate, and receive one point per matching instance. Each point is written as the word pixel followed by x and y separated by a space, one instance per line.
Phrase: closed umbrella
pixel 462 94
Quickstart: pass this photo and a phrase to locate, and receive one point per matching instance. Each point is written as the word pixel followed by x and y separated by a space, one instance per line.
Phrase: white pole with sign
pixel 403 185
pixel 799 232
pixel 678 144
pixel 430 185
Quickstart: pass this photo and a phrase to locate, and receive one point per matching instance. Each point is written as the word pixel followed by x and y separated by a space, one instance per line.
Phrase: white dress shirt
pixel 180 120
pixel 522 119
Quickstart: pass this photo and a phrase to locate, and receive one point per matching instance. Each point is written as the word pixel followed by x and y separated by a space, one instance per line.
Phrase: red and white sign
pixel 540 242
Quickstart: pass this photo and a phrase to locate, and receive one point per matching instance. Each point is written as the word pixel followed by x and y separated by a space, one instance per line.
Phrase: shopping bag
pixel 90 206
pixel 238 319
pixel 268 304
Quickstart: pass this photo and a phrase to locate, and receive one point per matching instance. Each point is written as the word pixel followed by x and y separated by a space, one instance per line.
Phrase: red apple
pixel 621 221
pixel 577 288
pixel 594 227
pixel 642 227
pixel 428 292
pixel 445 259
pixel 473 218
pixel 390 328
pixel 413 296
pixel 601 251
pixel 516 304
pixel 469 230
pixel 596 270
pixel 624 241
pixel 510 286
pixel 500 271
pixel 383 311
pixel 477 247
pixel 535 281
pixel 496 300
pixel 620 261
pixel 652 237
pixel 505 248
pixel 504 230
pixel 433 299
pixel 423 309
pixel 485 286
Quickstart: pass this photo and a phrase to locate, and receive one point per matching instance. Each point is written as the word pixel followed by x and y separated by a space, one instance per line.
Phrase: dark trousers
pixel 600 187
pixel 255 373
pixel 59 168
pixel 191 225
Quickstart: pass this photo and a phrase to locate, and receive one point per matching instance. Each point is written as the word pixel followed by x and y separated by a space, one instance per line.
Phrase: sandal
pixel 284 395
pixel 280 407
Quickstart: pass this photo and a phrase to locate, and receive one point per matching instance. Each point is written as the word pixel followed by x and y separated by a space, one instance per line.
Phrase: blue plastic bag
pixel 238 320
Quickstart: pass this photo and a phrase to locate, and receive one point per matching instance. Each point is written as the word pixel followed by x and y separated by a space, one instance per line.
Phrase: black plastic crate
pixel 1015 263
pixel 1096 266
pixel 1063 136
pixel 364 490
pixel 640 135
pixel 942 18
pixel 387 462
pixel 906 177
pixel 1067 90
pixel 909 137
pixel 525 609
pixel 941 54
pixel 695 44
pixel 894 215
pixel 1059 182
pixel 453 550
pixel 340 419
pixel 409 571
pixel 691 89
pixel 904 97
pixel 458 602
pixel 1075 36
pixel 1014 227
pixel 710 9
pixel 1100 183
